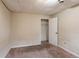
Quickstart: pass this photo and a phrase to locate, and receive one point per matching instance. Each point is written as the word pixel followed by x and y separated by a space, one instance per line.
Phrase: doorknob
pixel 57 33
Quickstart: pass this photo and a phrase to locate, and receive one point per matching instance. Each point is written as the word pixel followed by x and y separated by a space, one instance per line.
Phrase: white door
pixel 53 31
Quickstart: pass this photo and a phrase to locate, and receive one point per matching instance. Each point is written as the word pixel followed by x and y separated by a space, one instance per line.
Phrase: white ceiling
pixel 35 6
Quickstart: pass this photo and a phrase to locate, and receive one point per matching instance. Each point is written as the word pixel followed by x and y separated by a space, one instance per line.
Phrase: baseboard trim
pixel 69 51
pixel 5 51
pixel 18 46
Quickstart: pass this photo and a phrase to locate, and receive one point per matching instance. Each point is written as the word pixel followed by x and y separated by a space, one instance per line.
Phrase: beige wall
pixel 26 29
pixel 69 30
pixel 4 30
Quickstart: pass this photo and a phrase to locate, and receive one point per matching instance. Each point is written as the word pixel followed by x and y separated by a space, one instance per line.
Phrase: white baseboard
pixel 24 45
pixel 4 51
pixel 69 51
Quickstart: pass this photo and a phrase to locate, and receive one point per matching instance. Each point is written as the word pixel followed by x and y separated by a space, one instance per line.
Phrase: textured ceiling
pixel 34 6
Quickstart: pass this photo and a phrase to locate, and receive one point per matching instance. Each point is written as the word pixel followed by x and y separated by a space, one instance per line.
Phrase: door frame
pixel 48 29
